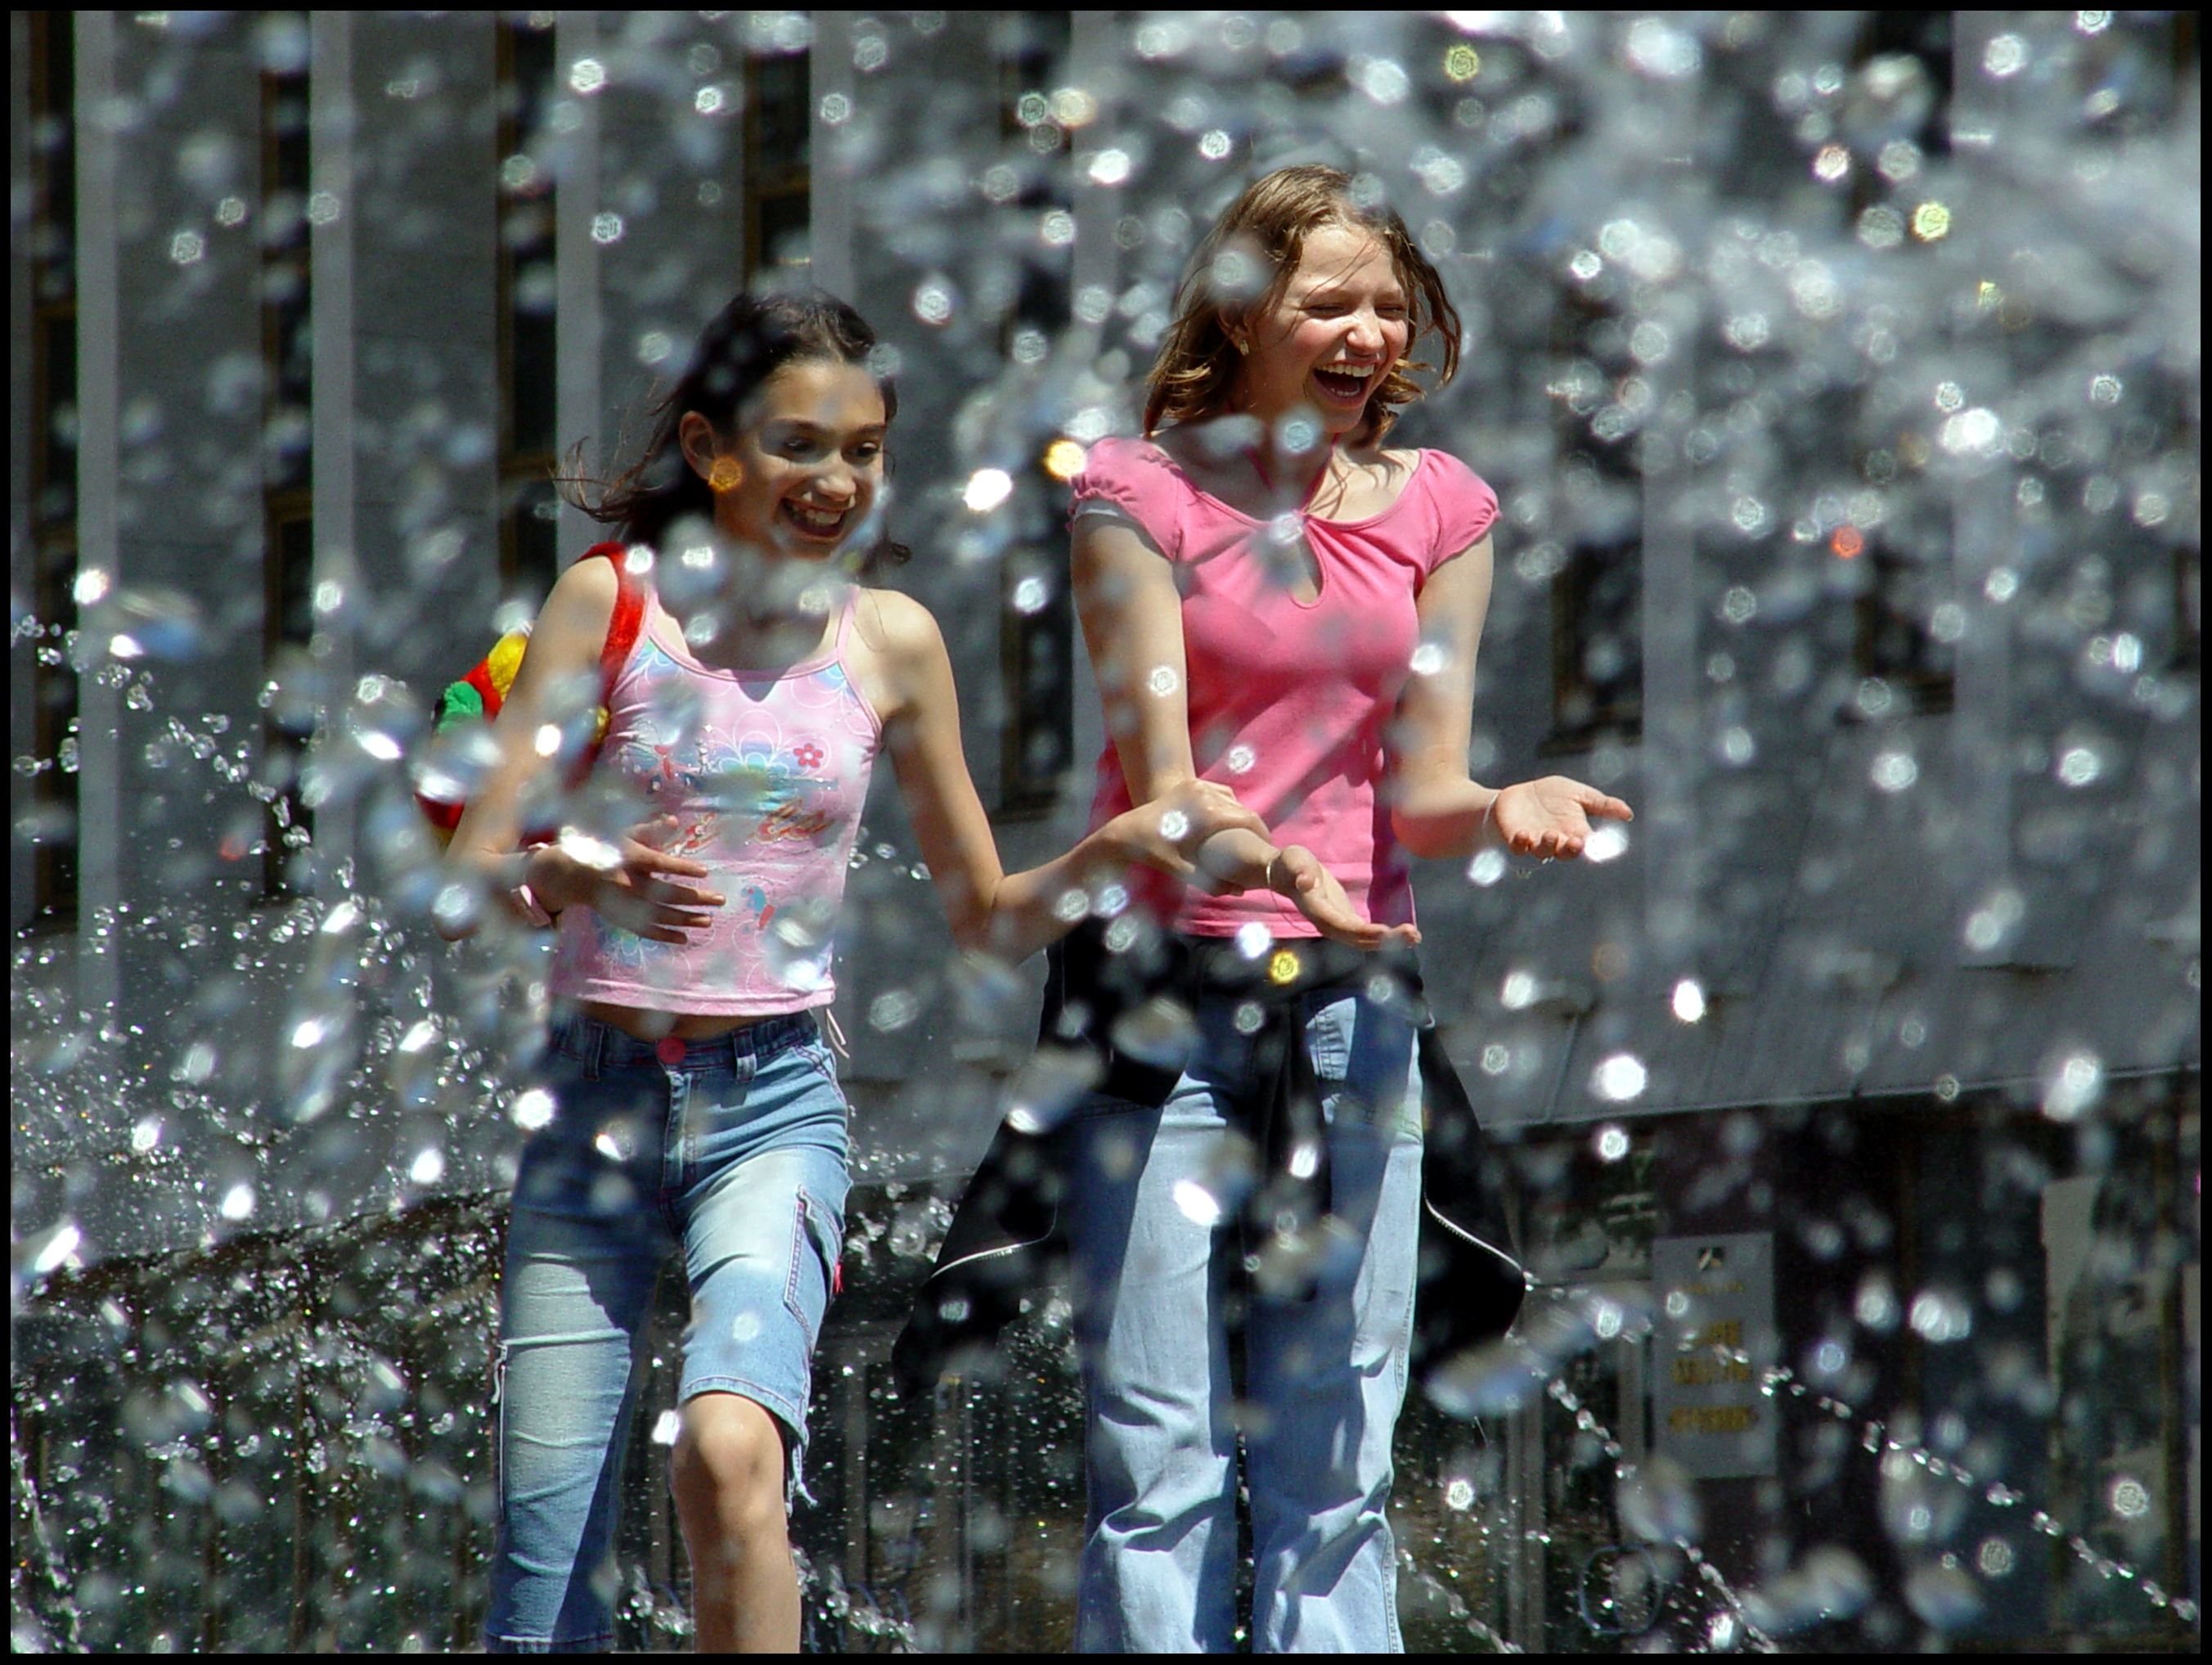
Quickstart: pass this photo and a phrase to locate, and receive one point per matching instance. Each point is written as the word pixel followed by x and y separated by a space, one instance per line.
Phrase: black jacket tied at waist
pixel 1118 1022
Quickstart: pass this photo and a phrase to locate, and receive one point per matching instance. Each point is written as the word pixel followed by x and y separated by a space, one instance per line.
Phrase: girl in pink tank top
pixel 763 775
pixel 696 881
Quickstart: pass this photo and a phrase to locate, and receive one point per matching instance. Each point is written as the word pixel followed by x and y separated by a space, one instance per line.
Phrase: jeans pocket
pixel 817 1231
pixel 819 1058
pixel 1328 1041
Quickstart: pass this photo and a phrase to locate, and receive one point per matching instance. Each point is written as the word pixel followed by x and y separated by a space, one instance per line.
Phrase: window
pixel 1597 657
pixel 1597 586
pixel 1903 575
pixel 52 251
pixel 1924 87
pixel 529 520
pixel 1894 642
pixel 779 126
pixel 287 475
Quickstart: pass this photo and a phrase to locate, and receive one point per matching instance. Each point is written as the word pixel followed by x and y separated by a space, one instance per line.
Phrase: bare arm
pixel 1010 915
pixel 1436 809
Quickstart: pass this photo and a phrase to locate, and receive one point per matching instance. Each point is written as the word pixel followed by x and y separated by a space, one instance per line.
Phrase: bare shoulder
pixel 573 621
pixel 905 651
pixel 897 625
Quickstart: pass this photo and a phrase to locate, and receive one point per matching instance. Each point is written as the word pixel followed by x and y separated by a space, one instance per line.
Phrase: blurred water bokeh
pixel 1839 376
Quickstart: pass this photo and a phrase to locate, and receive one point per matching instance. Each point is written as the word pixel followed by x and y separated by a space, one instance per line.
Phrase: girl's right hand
pixel 1170 832
pixel 1297 876
pixel 643 893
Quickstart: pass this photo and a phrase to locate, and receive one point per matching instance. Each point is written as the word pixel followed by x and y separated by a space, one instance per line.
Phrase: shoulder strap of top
pixel 845 621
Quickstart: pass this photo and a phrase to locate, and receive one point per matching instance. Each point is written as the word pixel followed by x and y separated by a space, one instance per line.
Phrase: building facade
pixel 1852 1100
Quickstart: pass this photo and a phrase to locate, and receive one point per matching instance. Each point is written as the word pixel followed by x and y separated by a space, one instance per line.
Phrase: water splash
pixel 1540 141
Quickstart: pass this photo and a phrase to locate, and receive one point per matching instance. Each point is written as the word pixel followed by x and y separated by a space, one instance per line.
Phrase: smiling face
pixel 1327 344
pixel 805 467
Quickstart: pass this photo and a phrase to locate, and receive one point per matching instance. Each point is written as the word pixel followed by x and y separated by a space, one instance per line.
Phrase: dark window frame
pixel 1615 709
pixel 287 489
pixel 775 185
pixel 1892 639
pixel 529 539
pixel 1036 649
pixel 53 465
pixel 1584 711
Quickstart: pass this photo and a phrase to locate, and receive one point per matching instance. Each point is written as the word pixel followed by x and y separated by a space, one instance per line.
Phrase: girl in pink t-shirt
pixel 1276 602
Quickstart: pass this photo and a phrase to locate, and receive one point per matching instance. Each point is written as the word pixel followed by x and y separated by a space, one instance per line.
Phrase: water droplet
pixel 1049 1084
pixel 1658 1502
pixel 894 1010
pixel 1619 1078
pixel 1942 1315
pixel 1943 1594
pixel 1199 1206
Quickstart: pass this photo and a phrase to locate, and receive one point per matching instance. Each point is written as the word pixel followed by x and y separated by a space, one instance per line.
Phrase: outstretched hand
pixel 1551 816
pixel 1297 876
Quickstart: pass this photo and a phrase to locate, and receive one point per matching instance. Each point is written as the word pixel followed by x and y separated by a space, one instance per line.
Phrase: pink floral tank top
pixel 766 773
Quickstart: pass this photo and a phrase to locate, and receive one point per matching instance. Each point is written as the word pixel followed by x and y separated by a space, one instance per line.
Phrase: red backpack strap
pixel 628 616
pixel 622 626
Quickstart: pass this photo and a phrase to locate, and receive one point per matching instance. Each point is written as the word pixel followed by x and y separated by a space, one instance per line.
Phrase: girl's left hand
pixel 1551 816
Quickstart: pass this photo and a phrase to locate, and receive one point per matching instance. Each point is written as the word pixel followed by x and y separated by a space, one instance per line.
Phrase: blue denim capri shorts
pixel 732 1151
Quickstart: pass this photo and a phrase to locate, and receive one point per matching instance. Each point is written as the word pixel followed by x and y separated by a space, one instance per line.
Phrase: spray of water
pixel 1837 327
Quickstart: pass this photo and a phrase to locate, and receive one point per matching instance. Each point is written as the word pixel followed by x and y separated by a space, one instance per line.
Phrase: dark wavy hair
pixel 1196 366
pixel 746 344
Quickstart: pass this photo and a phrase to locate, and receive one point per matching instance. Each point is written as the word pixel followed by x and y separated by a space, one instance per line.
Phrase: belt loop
pixel 595 1050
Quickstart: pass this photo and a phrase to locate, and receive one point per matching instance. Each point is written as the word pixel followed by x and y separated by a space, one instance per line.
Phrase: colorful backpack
pixel 477 696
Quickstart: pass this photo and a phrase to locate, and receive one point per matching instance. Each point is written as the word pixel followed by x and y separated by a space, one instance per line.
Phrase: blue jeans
pixel 732 1150
pixel 1324 1379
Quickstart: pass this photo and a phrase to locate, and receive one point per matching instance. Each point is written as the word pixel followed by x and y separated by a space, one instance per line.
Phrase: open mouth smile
pixel 816 523
pixel 1346 383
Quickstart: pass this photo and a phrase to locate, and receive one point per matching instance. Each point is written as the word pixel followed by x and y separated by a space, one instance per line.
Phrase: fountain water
pixel 1839 376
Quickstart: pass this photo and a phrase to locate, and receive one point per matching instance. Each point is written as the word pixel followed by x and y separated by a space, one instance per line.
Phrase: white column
pixel 579 324
pixel 1096 264
pixel 333 209
pixel 1094 65
pixel 1673 725
pixel 99 495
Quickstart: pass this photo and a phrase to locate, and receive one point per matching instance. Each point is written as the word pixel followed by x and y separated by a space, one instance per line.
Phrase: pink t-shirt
pixel 766 773
pixel 1289 701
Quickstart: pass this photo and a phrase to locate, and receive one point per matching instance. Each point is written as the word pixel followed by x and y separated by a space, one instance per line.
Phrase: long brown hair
pixel 746 344
pixel 1196 366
